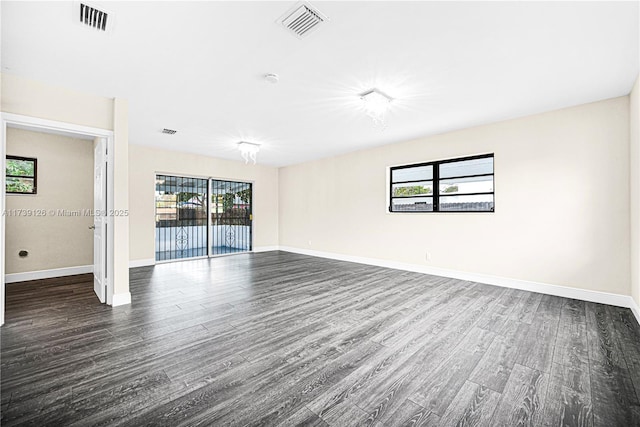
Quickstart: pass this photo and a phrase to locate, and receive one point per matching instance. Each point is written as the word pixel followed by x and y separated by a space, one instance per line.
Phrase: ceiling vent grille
pixel 302 20
pixel 169 131
pixel 93 17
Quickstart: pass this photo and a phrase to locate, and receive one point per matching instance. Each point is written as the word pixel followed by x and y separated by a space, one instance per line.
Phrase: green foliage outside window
pixel 20 167
pixel 229 198
pixel 451 189
pixel 413 190
pixel 21 175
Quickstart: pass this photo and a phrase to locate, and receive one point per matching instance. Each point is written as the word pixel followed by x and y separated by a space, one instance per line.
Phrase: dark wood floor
pixel 284 339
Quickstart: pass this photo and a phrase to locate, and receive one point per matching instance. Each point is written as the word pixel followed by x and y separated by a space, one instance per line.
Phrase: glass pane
pixel 181 217
pixel 413 204
pixel 20 167
pixel 230 217
pixel 412 189
pixel 418 173
pixel 478 184
pixel 475 203
pixel 466 167
pixel 20 185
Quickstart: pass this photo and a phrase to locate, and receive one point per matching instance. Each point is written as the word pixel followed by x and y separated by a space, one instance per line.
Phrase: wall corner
pixel 634 188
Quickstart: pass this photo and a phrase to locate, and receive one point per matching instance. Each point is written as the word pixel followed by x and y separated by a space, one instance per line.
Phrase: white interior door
pixel 100 219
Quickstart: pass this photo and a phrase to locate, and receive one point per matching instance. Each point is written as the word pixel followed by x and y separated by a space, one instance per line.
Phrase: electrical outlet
pixel 309 242
pixel 427 256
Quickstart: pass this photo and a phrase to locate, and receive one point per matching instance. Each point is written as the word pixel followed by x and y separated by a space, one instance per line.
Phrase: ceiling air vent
pixel 169 131
pixel 302 20
pixel 93 17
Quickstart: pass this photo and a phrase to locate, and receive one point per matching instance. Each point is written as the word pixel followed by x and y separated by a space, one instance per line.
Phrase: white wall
pixel 634 138
pixel 37 99
pixel 562 202
pixel 145 162
pixel 65 171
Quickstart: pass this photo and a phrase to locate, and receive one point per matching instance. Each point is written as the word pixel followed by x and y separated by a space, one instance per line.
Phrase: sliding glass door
pixel 183 229
pixel 230 217
pixel 181 217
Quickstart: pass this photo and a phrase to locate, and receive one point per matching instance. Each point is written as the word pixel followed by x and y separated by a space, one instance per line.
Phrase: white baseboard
pixel 142 262
pixel 265 248
pixel 47 274
pixel 121 299
pixel 543 288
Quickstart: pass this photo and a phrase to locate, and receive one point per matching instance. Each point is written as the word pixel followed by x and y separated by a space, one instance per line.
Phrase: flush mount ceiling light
pixel 248 150
pixel 376 104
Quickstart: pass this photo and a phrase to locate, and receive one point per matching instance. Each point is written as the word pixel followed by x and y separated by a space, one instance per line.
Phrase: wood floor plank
pixel 495 367
pixel 522 401
pixel 284 339
pixel 473 406
pixel 495 319
pixel 571 344
pixel 410 414
pixel 569 393
pixel 440 387
pixel 346 415
pixel 303 417
pixel 536 349
pixel 525 310
pixel 612 391
pixel 568 401
pixel 627 332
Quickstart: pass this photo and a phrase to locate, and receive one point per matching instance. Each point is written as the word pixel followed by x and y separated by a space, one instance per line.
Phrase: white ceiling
pixel 197 67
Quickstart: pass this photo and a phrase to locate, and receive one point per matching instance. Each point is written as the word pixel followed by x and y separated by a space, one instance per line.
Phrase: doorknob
pixel 92 227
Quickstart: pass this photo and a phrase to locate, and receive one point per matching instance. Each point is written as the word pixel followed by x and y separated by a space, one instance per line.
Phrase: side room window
pixel 21 175
pixel 452 185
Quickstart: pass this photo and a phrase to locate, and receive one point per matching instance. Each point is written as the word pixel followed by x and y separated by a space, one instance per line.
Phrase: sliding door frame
pixel 210 180
pixel 209 230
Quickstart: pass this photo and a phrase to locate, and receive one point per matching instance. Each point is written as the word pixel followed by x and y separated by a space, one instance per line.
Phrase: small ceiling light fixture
pixel 271 78
pixel 376 104
pixel 248 150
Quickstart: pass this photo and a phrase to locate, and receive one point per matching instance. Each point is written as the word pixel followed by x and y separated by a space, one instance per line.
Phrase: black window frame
pixel 436 184
pixel 34 177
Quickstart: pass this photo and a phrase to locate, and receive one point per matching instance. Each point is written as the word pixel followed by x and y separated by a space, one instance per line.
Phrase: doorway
pixel 183 228
pixel 103 285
